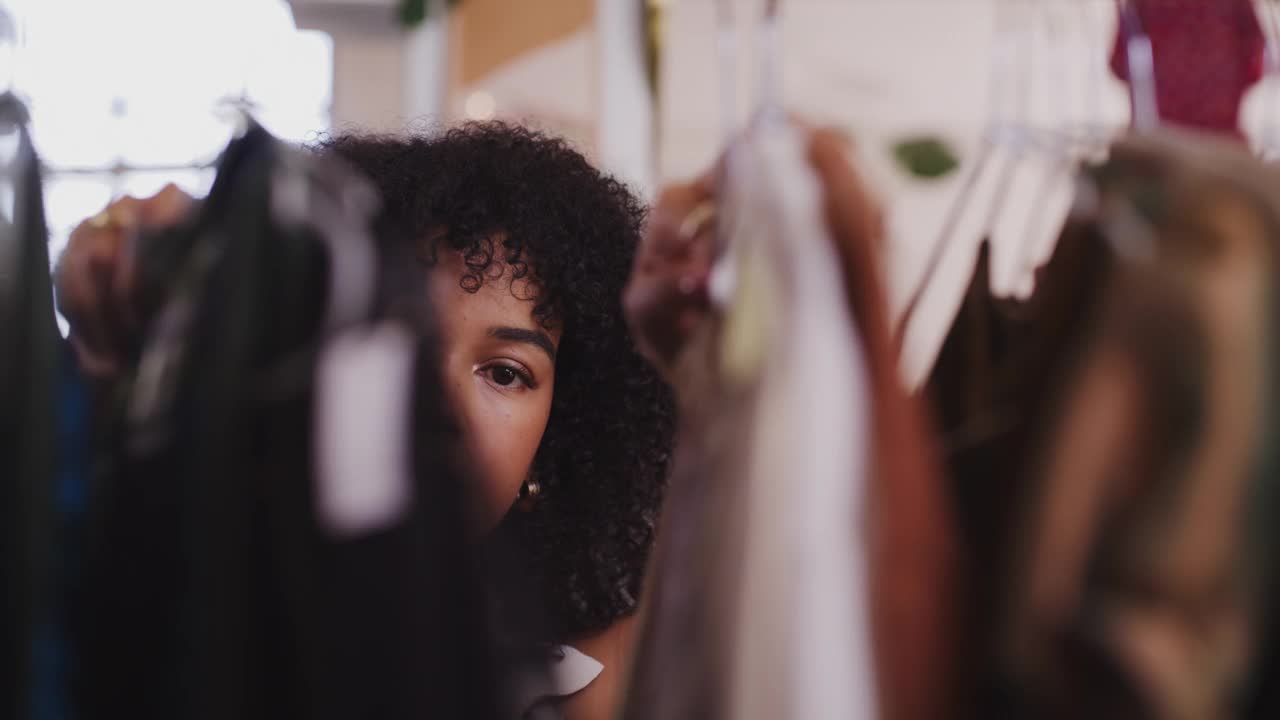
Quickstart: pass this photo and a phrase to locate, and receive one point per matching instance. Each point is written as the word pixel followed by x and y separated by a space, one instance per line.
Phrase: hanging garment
pixel 913 573
pixel 53 647
pixel 1145 547
pixel 1206 55
pixel 28 395
pixel 995 380
pixel 278 528
pixel 773 538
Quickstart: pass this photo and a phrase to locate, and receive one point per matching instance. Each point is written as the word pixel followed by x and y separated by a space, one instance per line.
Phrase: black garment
pixel 28 379
pixel 214 590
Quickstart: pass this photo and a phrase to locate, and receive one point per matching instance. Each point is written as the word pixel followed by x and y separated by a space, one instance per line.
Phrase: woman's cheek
pixel 505 438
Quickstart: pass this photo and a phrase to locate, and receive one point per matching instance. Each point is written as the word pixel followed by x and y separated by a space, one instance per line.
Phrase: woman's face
pixel 499 370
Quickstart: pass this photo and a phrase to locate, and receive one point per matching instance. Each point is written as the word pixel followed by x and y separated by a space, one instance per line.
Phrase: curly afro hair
pixel 603 459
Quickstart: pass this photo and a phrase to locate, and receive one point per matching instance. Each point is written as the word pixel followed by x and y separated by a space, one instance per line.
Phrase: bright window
pixel 127 95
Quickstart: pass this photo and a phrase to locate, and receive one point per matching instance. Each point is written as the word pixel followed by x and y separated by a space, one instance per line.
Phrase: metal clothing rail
pixel 122 168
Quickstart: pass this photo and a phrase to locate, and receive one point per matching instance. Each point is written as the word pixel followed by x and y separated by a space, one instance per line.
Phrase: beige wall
pixel 368 77
pixel 535 60
pixel 488 34
pixel 538 62
pixel 386 78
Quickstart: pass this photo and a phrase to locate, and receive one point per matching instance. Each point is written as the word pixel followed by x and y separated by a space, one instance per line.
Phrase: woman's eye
pixel 507 377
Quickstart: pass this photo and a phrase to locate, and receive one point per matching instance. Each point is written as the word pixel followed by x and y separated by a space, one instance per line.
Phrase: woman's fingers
pixel 83 281
pixel 663 311
pixel 164 209
pixel 666 295
pixel 96 276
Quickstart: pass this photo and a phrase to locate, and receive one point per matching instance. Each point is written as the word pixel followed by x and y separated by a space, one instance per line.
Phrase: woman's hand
pixel 666 295
pixel 96 277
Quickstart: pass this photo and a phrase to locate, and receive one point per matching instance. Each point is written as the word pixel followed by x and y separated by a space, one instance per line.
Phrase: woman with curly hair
pixel 527 249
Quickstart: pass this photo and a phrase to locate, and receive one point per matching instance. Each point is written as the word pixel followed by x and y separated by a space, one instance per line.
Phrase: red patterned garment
pixel 1207 54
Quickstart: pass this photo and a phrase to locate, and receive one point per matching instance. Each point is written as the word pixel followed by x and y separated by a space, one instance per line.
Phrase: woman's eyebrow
pixel 536 338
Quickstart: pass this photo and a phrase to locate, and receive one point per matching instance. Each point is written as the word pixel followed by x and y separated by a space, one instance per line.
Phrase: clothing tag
pixel 364 382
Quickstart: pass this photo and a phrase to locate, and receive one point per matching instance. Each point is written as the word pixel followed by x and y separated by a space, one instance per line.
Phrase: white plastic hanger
pixel 768 92
pixel 1005 139
pixel 1269 139
pixel 722 279
pixel 1142 69
pixel 1069 143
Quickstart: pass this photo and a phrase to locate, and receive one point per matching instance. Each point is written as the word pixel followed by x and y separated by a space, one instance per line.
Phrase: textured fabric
pixel 1207 54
